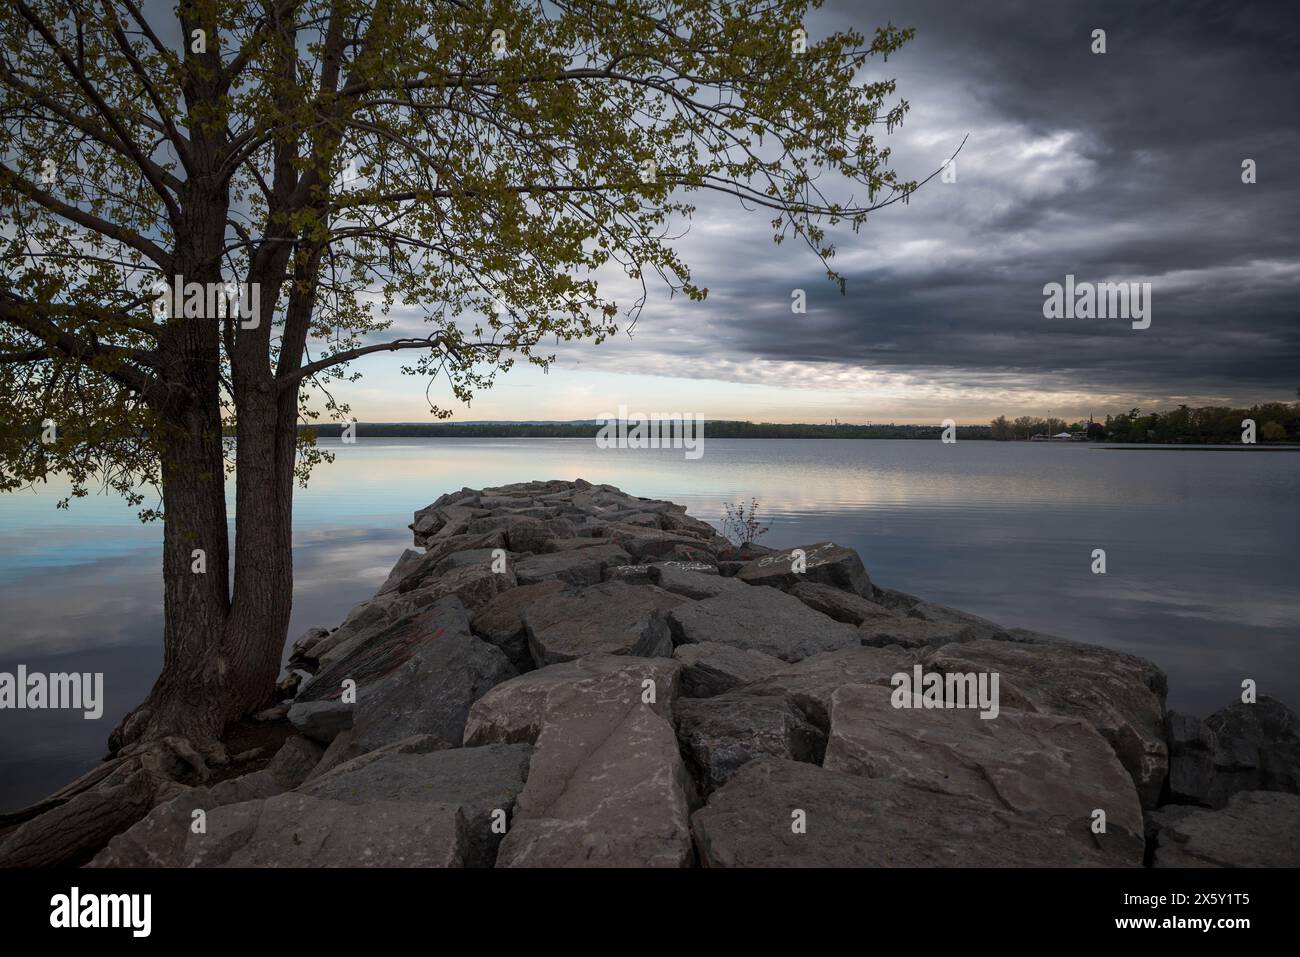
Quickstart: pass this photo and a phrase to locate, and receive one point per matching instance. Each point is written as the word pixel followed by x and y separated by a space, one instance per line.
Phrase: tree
pixel 1025 425
pixel 484 164
pixel 1272 432
pixel 1000 429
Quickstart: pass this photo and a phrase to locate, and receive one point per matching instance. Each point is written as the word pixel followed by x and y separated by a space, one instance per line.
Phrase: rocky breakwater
pixel 561 674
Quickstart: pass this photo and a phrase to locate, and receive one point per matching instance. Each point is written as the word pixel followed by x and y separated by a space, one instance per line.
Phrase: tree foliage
pixel 486 168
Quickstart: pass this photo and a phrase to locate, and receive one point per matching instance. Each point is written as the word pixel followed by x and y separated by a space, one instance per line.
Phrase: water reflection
pixel 1201 548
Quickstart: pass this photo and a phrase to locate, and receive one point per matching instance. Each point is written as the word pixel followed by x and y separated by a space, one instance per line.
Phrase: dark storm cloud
pixel 1122 166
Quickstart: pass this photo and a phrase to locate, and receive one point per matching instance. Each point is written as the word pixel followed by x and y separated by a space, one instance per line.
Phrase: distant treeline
pixel 1210 425
pixel 587 430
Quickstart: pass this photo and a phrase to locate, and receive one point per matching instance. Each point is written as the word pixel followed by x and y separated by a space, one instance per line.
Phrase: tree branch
pixel 36 319
pixel 453 346
pixel 82 218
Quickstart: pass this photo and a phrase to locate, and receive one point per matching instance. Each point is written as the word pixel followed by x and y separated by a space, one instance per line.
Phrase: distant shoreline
pixel 589 430
pixel 1199 448
pixel 743 430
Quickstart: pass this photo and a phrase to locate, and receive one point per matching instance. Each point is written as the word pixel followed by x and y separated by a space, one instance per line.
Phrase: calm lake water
pixel 1201 547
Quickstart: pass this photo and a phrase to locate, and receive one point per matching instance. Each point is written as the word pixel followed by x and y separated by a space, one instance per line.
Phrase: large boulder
pixel 824 562
pixel 810 684
pixel 1052 771
pixel 709 668
pixel 420 676
pixel 297 830
pixel 431 693
pixel 447 521
pixel 780 813
pixel 411 573
pixel 1243 747
pixel 893 599
pixel 720 735
pixel 501 620
pixel 1121 695
pixel 577 566
pixel 654 545
pixel 907 632
pixel 973 627
pixel 604 790
pixel 344 748
pixel 363 622
pixel 159 838
pixel 303 654
pixel 760 619
pixel 694 580
pixel 610 618
pixel 324 719
pixel 1255 829
pixel 846 606
pixel 538 537
pixel 514 711
pixel 472 576
pixel 606 784
pixel 482 782
pixel 406 563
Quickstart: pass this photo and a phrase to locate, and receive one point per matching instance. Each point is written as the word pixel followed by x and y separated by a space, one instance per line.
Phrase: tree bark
pixel 186 699
pixel 263 589
pixel 222 640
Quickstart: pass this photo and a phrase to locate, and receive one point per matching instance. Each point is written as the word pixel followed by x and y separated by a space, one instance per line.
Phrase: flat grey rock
pixel 479 781
pixel 809 684
pixel 720 735
pixel 468 575
pixel 419 675
pixel 709 668
pixel 514 711
pixel 760 619
pixel 431 693
pixel 1121 695
pixel 852 821
pixel 1053 772
pixel 578 567
pixel 604 790
pixel 1243 747
pixel 1255 829
pixel 321 720
pixel 501 621
pixel 609 618
pixel 846 606
pixel 973 627
pixel 824 562
pixel 694 583
pixel 415 572
pixel 296 830
pixel 656 545
pixel 907 632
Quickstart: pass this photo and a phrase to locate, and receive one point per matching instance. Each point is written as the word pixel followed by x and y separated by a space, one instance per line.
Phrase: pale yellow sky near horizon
pixel 778 392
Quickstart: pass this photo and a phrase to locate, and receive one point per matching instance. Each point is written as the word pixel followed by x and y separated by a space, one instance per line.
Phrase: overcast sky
pixel 1117 167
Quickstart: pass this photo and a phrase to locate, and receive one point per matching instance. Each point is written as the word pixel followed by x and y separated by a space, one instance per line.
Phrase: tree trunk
pixel 263 590
pixel 222 640
pixel 186 698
